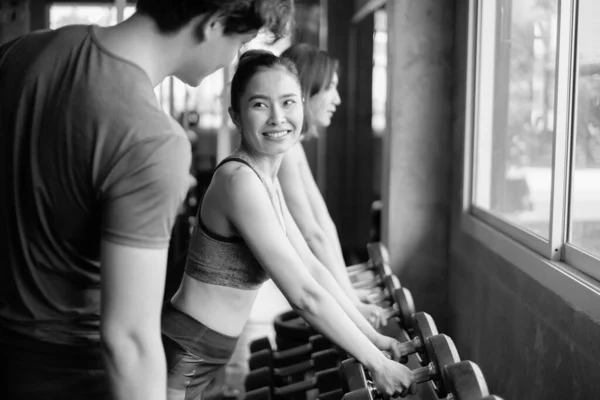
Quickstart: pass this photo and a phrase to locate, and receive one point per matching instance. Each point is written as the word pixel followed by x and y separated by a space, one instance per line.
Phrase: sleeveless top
pixel 228 261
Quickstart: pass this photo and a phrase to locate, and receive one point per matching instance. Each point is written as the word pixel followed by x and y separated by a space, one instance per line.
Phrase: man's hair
pixel 238 16
pixel 251 63
pixel 315 69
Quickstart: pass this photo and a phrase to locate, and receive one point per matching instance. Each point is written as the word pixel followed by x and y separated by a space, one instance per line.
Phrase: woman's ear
pixel 235 118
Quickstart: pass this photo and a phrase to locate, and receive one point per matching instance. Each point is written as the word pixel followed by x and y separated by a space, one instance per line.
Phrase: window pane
pixel 71 14
pixel 515 129
pixel 585 183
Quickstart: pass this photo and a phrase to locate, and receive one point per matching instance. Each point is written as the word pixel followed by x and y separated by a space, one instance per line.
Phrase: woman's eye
pixel 289 102
pixel 258 105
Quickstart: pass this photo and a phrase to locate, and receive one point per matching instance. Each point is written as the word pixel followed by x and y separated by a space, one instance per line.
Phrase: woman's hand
pixel 390 346
pixel 373 313
pixel 394 379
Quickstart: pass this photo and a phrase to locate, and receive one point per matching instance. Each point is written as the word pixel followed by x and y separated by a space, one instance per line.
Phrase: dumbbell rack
pixel 303 366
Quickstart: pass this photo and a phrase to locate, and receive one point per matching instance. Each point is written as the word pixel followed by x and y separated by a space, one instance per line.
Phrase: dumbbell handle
pixel 421 375
pixel 411 346
pixel 425 373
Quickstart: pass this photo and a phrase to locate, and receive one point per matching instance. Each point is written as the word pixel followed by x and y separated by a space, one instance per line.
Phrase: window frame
pixel 567 270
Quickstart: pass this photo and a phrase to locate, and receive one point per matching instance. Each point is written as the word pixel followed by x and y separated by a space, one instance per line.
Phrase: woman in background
pixel 319 79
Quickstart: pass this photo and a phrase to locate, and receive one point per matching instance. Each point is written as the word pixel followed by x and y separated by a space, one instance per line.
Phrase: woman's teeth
pixel 275 135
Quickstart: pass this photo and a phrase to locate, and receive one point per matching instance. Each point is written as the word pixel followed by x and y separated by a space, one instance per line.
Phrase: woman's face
pixel 322 105
pixel 271 112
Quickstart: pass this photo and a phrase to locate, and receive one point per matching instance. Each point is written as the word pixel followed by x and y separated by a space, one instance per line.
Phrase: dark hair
pixel 249 64
pixel 239 16
pixel 315 69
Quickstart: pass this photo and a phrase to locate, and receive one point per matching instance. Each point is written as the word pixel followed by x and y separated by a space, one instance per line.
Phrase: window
pixel 536 150
pixel 584 222
pixel 98 14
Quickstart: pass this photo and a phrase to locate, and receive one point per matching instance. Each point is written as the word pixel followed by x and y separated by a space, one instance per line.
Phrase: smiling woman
pixel 244 235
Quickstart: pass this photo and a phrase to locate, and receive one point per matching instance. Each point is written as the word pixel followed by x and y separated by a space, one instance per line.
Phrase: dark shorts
pixel 195 354
pixel 31 369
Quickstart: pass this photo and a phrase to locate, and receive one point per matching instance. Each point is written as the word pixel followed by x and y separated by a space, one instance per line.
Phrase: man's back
pixel 83 143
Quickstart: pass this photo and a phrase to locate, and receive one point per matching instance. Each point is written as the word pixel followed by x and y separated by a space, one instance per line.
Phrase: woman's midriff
pixel 223 309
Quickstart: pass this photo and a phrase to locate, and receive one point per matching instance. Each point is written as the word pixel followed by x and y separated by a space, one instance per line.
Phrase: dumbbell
pixel 405 308
pixel 378 261
pixel 291 330
pixel 388 281
pixel 278 359
pixel 402 308
pixel 325 381
pixel 423 327
pixel 356 269
pixel 332 395
pixel 440 350
pixel 464 381
pixel 259 344
pixel 277 377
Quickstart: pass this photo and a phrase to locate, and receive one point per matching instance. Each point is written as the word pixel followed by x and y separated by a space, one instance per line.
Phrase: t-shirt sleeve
pixel 143 191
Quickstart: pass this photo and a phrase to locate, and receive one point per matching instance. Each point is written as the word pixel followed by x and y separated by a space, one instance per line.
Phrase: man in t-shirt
pixel 92 173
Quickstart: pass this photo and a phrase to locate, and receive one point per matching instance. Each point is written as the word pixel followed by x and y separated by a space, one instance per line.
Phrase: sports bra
pixel 227 260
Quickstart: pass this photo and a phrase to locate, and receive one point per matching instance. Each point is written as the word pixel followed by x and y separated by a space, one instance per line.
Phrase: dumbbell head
pixel 263 343
pixel 379 257
pixel 261 358
pixel 258 378
pixel 406 307
pixel 325 359
pixel 423 327
pixel 263 393
pixel 327 380
pixel 464 381
pixel 391 282
pixel 290 326
pixel 268 358
pixel 352 375
pixel 337 394
pixel 359 394
pixel 442 352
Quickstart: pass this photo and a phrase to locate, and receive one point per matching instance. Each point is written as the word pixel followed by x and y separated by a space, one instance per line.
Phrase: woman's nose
pixel 336 98
pixel 277 116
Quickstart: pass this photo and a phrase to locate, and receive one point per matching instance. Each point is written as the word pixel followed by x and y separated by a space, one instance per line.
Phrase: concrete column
pixel 416 176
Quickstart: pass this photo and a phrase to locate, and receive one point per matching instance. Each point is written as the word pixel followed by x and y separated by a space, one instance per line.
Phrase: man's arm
pixel 140 196
pixel 132 291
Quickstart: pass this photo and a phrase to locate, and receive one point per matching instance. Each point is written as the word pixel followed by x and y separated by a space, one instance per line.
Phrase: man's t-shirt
pixel 86 154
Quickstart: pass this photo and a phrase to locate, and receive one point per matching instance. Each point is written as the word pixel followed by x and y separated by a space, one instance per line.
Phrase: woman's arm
pixel 310 213
pixel 249 209
pixel 318 205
